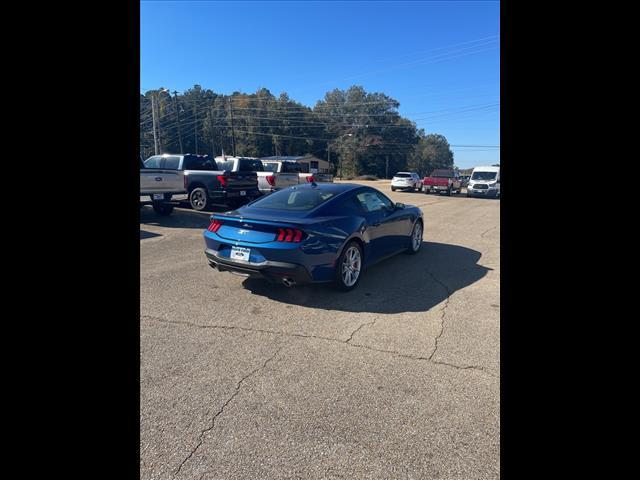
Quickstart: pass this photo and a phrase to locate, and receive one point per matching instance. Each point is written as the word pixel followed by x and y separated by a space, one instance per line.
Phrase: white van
pixel 484 182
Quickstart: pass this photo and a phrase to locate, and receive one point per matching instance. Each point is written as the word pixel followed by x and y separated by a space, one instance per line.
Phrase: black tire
pixel 412 250
pixel 162 209
pixel 339 281
pixel 199 199
pixel 393 189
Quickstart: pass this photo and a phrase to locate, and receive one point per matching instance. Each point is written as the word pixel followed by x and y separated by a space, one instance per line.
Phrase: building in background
pixel 309 163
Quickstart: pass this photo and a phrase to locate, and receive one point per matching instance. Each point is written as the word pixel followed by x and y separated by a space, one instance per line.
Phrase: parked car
pixel 160 185
pixel 289 166
pixel 442 181
pixel 406 181
pixel 205 184
pixel 312 233
pixel 484 182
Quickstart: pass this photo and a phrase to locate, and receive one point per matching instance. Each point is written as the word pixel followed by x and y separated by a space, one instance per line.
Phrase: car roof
pixel 334 188
pixel 486 169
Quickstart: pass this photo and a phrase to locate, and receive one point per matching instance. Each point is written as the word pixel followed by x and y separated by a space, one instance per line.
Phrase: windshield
pixel 483 176
pixel 403 175
pixel 442 174
pixel 293 199
pixel 249 165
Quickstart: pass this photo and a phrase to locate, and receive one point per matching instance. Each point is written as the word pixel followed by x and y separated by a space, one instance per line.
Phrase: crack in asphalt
pixel 487 231
pixel 330 339
pixel 358 329
pixel 443 310
pixel 213 420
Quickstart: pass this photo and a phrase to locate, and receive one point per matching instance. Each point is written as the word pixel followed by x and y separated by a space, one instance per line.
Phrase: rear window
pixel 290 167
pixel 199 163
pixel 442 174
pixel 293 199
pixel 483 175
pixel 403 175
pixel 226 165
pixel 270 167
pixel 248 165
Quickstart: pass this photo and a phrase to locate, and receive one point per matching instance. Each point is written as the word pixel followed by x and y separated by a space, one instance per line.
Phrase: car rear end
pixel 236 188
pixel 266 249
pixel 439 181
pixel 402 181
pixel 283 246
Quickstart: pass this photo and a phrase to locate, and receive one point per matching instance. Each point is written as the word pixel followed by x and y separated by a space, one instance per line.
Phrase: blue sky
pixel 440 60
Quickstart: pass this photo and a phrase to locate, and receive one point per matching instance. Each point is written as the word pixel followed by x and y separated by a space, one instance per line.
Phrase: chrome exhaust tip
pixel 289 282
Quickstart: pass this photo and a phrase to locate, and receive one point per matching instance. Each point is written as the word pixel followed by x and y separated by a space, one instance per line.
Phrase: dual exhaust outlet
pixel 288 282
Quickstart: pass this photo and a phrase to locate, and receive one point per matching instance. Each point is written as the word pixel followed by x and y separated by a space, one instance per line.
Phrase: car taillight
pixel 310 179
pixel 271 180
pixel 289 235
pixel 215 226
pixel 223 180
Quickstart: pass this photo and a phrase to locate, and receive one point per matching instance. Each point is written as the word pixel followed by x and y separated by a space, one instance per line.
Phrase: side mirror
pixel 399 205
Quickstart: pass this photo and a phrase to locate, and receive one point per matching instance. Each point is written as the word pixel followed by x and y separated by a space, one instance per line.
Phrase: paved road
pixel 396 379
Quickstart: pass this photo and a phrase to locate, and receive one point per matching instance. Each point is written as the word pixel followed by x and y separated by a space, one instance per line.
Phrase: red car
pixel 442 181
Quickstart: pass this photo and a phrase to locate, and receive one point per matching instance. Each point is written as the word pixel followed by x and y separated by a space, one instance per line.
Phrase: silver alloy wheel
pixel 416 238
pixel 351 266
pixel 197 199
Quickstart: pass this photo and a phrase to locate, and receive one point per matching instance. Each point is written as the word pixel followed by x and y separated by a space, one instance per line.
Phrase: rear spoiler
pixel 263 220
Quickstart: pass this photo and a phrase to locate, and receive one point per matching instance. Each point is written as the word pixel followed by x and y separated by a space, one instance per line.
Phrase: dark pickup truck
pixel 205 184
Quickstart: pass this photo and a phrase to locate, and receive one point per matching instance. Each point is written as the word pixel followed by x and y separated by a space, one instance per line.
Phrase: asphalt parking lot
pixel 396 379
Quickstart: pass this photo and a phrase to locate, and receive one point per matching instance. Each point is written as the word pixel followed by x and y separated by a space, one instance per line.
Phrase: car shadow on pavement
pixel 403 283
pixel 144 234
pixel 179 218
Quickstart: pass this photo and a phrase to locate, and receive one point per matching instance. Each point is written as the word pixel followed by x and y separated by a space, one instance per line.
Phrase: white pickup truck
pixel 270 178
pixel 288 166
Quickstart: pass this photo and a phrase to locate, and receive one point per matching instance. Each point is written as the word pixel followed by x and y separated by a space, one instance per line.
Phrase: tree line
pixel 358 132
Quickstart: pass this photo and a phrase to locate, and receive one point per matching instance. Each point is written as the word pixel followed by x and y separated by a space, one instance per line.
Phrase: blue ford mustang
pixel 326 232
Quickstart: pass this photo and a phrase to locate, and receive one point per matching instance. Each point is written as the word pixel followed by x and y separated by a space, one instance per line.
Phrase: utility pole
pixel 233 131
pixel 386 169
pixel 195 112
pixel 213 147
pixel 153 116
pixel 175 103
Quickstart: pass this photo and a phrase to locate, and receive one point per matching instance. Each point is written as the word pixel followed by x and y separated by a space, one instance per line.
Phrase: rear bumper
pixel 269 270
pixel 223 196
